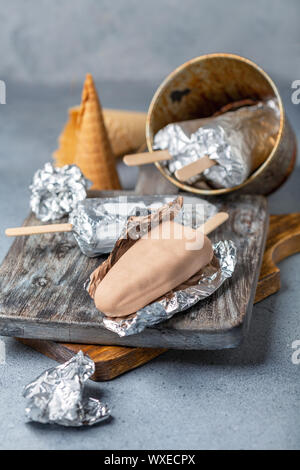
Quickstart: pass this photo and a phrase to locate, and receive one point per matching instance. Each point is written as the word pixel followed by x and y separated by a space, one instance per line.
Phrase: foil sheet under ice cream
pixel 200 286
pixel 213 276
pixel 238 141
pixel 99 222
pixel 57 395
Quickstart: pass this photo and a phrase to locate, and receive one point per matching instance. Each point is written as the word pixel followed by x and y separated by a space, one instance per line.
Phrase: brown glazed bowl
pixel 202 86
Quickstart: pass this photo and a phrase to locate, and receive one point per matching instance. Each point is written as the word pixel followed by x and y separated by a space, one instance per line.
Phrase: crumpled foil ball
pixel 56 396
pixel 56 191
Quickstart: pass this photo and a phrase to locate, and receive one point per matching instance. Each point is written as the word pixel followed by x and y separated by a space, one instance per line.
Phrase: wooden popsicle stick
pixel 214 222
pixel 209 226
pixel 145 158
pixel 37 229
pixel 194 168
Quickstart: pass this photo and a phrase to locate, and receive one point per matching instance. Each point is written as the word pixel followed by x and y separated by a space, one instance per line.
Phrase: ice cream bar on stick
pixel 145 158
pixel 96 223
pixel 90 219
pixel 237 140
pixel 56 228
pixel 158 262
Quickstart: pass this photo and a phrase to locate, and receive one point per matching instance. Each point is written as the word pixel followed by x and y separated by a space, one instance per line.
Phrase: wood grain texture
pixel 110 361
pixel 41 294
pixel 283 241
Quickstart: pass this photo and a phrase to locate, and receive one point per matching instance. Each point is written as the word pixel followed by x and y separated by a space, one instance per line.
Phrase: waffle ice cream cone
pixel 126 133
pixel 94 154
pixel 65 154
pixel 126 130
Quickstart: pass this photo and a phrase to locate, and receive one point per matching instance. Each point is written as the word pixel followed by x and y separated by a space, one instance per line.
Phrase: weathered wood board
pixel 41 294
pixel 111 361
pixel 283 241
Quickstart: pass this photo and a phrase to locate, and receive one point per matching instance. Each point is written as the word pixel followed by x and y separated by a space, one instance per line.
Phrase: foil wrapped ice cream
pixel 239 141
pixel 55 192
pixel 200 286
pixel 99 222
pixel 57 395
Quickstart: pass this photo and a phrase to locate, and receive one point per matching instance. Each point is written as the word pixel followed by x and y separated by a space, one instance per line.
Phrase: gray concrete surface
pixel 55 41
pixel 244 398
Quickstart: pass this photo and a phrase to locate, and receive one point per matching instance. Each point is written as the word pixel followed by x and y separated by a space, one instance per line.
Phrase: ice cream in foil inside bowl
pixel 236 141
pixel 226 110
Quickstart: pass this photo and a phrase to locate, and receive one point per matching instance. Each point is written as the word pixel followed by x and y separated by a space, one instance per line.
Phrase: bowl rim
pixel 260 169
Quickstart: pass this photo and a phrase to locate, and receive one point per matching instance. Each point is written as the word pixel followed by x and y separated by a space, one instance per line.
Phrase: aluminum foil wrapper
pixel 55 192
pixel 212 278
pixel 200 286
pixel 239 141
pixel 56 396
pixel 99 222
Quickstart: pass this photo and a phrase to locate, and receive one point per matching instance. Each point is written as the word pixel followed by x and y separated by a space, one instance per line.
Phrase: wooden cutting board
pixel 111 361
pixel 42 295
